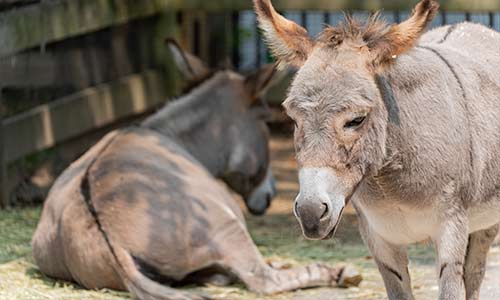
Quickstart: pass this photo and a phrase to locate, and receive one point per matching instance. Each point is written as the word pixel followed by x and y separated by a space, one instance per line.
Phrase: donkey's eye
pixel 355 122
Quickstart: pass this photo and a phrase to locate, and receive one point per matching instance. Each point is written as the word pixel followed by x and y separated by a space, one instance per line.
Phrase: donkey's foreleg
pixel 314 275
pixel 475 260
pixel 451 246
pixel 392 262
pixel 242 258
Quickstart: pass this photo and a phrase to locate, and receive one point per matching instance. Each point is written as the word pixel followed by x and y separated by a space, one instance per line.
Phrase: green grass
pixel 20 279
pixel 16 228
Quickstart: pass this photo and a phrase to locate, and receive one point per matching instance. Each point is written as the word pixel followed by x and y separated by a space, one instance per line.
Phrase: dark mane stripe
pixel 448 32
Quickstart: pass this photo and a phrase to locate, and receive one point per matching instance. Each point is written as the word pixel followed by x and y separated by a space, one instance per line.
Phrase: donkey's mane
pixel 368 31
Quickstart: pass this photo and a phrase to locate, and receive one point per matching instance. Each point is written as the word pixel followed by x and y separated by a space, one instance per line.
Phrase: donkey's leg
pixel 392 262
pixel 475 260
pixel 242 258
pixel 451 245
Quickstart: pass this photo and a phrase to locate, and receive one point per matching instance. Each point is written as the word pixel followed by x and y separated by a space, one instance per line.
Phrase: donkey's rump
pixel 153 200
pixel 158 203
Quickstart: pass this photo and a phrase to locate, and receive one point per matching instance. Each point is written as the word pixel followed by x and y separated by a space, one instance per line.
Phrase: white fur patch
pixel 401 227
pixel 322 183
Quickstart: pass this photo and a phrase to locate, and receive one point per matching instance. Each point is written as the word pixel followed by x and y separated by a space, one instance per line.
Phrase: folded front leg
pixel 242 258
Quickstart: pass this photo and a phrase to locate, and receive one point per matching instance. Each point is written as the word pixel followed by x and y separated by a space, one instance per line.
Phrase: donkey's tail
pixel 143 288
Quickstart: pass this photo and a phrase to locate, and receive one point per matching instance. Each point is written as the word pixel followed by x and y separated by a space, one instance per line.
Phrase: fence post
pixel 4 193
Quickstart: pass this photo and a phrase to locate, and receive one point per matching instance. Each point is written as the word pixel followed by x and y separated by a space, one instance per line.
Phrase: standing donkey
pixel 143 206
pixel 408 128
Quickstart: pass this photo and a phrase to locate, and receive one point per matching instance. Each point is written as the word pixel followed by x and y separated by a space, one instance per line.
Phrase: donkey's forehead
pixel 331 86
pixel 348 55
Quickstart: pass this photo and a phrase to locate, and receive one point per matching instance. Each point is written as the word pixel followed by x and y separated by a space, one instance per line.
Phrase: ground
pixel 277 235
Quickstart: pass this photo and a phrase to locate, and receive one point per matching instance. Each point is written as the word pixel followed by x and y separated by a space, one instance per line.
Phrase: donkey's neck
pixel 189 122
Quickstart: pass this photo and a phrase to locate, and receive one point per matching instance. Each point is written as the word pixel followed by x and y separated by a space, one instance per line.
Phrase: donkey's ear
pixel 289 42
pixel 400 38
pixel 189 65
pixel 261 80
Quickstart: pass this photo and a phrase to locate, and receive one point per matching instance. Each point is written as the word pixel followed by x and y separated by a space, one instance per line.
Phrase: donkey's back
pixel 467 38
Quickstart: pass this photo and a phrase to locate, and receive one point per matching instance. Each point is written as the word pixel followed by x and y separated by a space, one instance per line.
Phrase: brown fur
pixel 288 41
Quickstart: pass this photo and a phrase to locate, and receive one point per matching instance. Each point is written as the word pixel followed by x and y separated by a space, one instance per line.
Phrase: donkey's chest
pixel 400 225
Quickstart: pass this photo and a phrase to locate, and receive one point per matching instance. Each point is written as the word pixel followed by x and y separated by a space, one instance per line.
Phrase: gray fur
pixel 440 158
pixel 424 163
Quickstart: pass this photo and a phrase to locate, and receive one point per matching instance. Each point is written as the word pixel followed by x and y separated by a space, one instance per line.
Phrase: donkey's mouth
pixel 348 199
pixel 334 229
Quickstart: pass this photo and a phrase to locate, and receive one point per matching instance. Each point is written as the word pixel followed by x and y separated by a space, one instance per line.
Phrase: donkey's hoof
pixel 349 277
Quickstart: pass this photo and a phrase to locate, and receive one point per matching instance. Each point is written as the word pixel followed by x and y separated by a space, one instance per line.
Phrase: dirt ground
pixel 277 235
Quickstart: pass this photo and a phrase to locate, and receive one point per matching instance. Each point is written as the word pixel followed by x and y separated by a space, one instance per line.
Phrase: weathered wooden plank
pixel 30 70
pixel 55 20
pixel 46 125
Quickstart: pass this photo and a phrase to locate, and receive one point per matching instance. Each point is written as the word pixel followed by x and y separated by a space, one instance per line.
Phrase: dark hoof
pixel 349 277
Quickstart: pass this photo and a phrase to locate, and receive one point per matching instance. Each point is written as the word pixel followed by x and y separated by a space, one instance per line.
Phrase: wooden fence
pixel 68 67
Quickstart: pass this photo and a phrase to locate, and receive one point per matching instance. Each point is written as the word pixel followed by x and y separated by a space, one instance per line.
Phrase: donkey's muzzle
pixel 260 200
pixel 315 217
pixel 320 203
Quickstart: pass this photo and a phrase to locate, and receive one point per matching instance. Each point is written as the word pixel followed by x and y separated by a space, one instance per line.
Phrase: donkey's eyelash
pixel 356 122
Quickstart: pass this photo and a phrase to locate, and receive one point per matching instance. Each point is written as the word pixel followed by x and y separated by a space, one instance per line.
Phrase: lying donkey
pixel 409 129
pixel 143 207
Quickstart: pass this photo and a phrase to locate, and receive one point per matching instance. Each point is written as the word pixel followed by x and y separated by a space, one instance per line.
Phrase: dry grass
pixel 276 235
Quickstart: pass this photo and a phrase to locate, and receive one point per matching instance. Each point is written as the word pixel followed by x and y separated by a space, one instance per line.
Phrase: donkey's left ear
pixel 289 42
pixel 259 82
pixel 189 65
pixel 401 38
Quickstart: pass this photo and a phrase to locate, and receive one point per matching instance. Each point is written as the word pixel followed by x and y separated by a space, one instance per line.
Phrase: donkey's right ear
pixel 289 42
pixel 189 65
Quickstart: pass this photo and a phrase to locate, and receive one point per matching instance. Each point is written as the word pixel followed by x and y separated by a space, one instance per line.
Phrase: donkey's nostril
pixel 325 211
pixel 296 208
